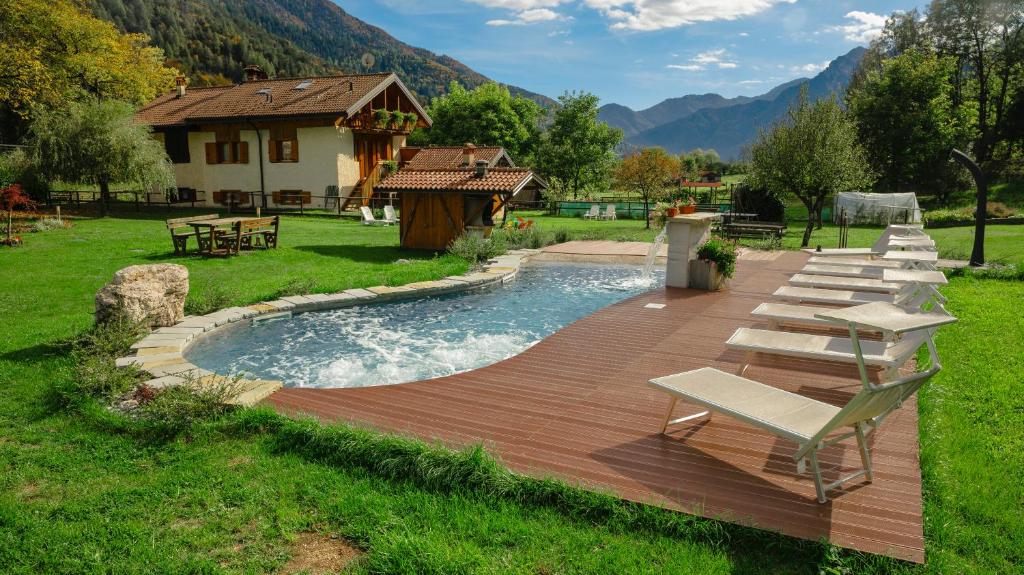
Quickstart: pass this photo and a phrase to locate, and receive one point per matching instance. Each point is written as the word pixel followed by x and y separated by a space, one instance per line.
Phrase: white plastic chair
pixel 368 219
pixel 609 212
pixel 390 217
pixel 594 213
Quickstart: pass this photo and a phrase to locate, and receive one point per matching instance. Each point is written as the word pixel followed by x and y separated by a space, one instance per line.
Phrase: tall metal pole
pixel 978 253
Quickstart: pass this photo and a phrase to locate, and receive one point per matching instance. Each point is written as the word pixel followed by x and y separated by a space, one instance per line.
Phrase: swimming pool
pixel 397 342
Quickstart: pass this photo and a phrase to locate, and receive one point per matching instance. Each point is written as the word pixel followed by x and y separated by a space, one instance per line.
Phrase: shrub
pixel 47 224
pixel 948 216
pixel 474 249
pixel 207 297
pixel 176 409
pixel 93 374
pixel 721 253
pixel 296 286
pixel 998 210
pixel 532 237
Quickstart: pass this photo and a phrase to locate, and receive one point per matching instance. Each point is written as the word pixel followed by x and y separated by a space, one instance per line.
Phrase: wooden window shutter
pixel 295 150
pixel 272 148
pixel 211 152
pixel 243 152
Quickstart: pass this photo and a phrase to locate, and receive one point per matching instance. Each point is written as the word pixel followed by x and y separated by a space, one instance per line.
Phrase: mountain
pixel 725 124
pixel 211 41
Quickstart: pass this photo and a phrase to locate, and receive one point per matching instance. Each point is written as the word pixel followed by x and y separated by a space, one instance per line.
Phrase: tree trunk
pixel 647 215
pixel 104 195
pixel 810 224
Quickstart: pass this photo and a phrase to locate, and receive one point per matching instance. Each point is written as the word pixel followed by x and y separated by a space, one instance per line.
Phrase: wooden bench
pixel 757 230
pixel 180 238
pixel 292 197
pixel 249 234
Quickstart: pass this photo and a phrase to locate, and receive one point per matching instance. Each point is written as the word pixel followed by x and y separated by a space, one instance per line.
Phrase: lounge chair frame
pixel 864 413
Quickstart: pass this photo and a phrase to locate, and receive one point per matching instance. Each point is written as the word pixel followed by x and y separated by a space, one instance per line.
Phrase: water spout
pixel 652 254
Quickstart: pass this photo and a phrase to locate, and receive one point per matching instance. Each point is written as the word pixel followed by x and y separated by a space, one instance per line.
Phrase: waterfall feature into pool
pixel 423 338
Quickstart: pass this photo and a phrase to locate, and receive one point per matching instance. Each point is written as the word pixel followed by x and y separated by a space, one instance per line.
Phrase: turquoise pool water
pixel 423 338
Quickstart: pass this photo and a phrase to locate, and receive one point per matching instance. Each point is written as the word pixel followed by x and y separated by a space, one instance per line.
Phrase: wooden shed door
pixel 370 149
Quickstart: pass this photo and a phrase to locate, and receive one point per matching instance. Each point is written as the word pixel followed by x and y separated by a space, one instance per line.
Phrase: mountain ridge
pixel 212 41
pixel 733 123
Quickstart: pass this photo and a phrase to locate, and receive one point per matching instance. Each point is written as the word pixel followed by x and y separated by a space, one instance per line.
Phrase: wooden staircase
pixel 362 192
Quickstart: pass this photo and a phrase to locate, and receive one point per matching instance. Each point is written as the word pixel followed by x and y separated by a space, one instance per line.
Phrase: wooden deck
pixel 576 406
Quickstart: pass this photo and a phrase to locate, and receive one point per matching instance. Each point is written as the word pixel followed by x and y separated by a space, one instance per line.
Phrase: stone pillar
pixel 685 234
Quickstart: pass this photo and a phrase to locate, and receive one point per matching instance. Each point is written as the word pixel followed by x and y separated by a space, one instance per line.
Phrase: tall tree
pixel 98 142
pixel 649 174
pixel 908 124
pixel 488 115
pixel 985 38
pixel 813 154
pixel 51 51
pixel 577 153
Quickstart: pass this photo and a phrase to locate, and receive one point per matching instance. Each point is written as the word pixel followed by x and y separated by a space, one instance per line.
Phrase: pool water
pixel 423 338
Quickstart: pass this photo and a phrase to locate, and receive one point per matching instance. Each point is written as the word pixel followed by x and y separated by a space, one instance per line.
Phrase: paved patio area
pixel 576 406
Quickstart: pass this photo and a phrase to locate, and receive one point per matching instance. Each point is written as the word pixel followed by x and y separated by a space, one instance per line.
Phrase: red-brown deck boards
pixel 576 406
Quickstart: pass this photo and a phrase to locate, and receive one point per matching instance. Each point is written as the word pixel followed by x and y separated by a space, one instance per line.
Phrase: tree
pixel 987 40
pixel 98 142
pixel 486 116
pixel 578 151
pixel 648 173
pixel 54 52
pixel 908 124
pixel 812 153
pixel 11 197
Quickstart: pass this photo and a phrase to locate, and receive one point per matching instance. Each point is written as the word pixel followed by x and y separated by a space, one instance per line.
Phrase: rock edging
pixel 161 353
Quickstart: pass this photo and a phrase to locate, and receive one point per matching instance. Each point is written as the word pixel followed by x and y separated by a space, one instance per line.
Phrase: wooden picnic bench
pixel 178 225
pixel 758 230
pixel 249 233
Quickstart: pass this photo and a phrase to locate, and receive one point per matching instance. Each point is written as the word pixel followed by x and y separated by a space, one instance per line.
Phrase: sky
pixel 635 52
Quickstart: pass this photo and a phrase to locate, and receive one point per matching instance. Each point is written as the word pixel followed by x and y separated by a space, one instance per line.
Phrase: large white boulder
pixel 151 295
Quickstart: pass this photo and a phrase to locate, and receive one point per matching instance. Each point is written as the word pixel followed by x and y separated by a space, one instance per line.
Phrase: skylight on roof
pixel 303 85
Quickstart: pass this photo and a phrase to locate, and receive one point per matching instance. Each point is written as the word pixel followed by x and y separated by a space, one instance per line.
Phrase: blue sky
pixel 634 52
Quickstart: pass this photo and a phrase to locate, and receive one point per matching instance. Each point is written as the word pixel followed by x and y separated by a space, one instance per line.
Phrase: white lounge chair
pixel 830 296
pixel 853 261
pixel 913 259
pixel 609 212
pixel 368 219
pixel 594 213
pixel 810 423
pixel 880 246
pixel 786 314
pixel 390 217
pixel 844 283
pixel 918 243
pixel 844 271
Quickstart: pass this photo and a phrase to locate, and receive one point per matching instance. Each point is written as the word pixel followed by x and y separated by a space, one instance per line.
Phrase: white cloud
pixel 862 27
pixel 531 16
pixel 519 5
pixel 714 57
pixel 647 15
pixel 744 34
pixel 750 82
pixel 811 68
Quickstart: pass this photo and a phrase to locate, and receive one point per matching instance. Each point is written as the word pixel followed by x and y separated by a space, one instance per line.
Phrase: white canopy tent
pixel 863 208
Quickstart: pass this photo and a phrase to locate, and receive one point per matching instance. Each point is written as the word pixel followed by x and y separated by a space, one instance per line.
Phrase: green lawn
pixel 78 496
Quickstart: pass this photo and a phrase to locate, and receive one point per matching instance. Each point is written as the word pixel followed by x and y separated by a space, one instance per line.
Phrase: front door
pixel 370 149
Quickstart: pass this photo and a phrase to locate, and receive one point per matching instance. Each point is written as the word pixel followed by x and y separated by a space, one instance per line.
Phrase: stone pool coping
pixel 161 353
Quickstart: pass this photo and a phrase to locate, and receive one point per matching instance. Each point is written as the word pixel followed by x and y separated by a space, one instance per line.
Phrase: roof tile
pixel 498 180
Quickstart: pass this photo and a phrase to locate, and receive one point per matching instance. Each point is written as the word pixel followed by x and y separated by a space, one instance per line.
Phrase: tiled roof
pixel 498 180
pixel 327 96
pixel 449 157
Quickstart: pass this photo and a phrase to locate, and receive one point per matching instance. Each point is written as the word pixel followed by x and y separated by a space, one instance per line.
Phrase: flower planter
pixel 671 212
pixel 705 275
pixel 690 209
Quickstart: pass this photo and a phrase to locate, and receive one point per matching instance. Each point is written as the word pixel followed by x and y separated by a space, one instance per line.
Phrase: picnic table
pixel 206 232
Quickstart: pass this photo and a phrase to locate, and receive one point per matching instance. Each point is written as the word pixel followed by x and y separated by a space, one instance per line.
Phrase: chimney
pixel 253 73
pixel 481 169
pixel 468 155
pixel 180 82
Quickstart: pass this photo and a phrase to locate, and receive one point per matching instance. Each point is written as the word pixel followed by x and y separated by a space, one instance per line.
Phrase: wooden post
pixel 257 212
pixel 58 214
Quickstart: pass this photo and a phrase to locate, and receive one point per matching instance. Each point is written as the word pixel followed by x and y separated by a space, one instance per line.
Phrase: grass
pixel 77 494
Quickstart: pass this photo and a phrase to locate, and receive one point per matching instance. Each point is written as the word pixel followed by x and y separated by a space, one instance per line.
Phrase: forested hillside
pixel 212 41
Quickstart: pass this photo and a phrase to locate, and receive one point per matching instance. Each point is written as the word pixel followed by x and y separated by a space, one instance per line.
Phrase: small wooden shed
pixel 440 205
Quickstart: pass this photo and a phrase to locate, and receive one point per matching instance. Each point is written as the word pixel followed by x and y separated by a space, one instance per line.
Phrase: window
pixel 176 145
pixel 227 153
pixel 284 150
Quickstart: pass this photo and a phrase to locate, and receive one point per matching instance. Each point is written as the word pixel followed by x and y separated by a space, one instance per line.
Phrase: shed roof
pixel 451 157
pixel 496 180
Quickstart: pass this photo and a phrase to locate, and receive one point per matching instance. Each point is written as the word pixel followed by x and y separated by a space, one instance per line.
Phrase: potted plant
pixel 396 119
pixel 672 210
pixel 715 264
pixel 689 206
pixel 410 121
pixel 381 118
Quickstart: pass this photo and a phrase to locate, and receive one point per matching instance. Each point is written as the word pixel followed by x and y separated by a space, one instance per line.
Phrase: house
pixel 447 197
pixel 284 142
